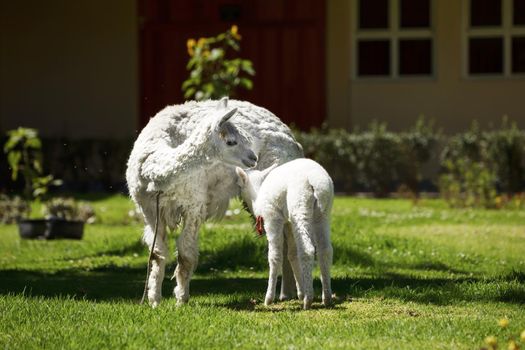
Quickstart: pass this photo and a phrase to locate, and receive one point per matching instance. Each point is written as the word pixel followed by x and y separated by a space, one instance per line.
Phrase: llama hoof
pixel 181 302
pixel 284 297
pixel 154 302
pixel 268 301
pixel 181 295
pixel 307 304
pixel 327 300
pixel 300 296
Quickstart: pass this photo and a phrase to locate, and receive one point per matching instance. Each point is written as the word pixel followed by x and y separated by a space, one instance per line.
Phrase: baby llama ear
pixel 266 171
pixel 242 177
pixel 223 103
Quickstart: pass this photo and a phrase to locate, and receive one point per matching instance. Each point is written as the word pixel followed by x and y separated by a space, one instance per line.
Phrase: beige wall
pixel 452 100
pixel 69 68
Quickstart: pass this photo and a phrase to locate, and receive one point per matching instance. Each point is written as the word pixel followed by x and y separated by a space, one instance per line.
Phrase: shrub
pixel 212 74
pixel 24 155
pixel 506 149
pixel 334 150
pixel 68 209
pixel 12 209
pixel 376 159
pixel 468 183
pixel 476 164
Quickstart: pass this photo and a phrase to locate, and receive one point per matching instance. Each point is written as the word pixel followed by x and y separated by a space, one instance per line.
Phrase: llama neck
pixel 193 154
pixel 249 195
pixel 166 166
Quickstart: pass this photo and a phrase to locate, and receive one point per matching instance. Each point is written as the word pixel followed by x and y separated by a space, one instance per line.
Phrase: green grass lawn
pixel 405 276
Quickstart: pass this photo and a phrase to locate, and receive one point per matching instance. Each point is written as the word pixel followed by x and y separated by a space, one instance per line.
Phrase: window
pixel 495 37
pixel 485 13
pixel 373 14
pixel 374 57
pixel 393 38
pixel 415 57
pixel 518 54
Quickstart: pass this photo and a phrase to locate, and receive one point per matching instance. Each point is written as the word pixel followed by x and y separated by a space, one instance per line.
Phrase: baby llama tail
pixel 324 195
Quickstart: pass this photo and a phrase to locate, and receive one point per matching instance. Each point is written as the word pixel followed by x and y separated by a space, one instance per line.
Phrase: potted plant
pixel 64 218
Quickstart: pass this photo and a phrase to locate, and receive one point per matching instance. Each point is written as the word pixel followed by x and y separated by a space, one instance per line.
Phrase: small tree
pixel 24 155
pixel 212 73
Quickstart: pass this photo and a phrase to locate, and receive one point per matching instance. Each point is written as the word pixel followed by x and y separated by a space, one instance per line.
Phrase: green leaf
pixel 189 92
pixel 246 83
pixel 247 67
pixel 37 165
pixel 34 143
pixel 187 84
pixel 13 158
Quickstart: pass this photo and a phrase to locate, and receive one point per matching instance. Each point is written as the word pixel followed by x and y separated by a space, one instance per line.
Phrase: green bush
pixel 68 209
pixel 468 183
pixel 476 164
pixel 374 160
pixel 24 156
pixel 506 149
pixel 12 209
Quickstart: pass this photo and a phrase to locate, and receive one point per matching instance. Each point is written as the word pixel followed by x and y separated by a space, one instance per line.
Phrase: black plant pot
pixel 51 229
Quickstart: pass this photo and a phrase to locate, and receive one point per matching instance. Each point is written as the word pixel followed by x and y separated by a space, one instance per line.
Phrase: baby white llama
pixel 299 193
pixel 189 152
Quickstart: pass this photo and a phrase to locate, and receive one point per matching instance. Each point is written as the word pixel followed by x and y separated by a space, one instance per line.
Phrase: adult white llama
pixel 189 152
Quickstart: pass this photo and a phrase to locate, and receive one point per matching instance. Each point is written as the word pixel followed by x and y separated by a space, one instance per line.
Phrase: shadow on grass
pixel 243 253
pixel 127 283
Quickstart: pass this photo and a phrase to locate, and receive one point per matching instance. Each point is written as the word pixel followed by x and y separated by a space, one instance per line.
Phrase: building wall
pixel 451 99
pixel 69 68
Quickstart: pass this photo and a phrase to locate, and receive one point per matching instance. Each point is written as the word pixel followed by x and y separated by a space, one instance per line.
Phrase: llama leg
pixel 306 254
pixel 158 262
pixel 294 261
pixel 288 283
pixel 325 256
pixel 187 258
pixel 274 231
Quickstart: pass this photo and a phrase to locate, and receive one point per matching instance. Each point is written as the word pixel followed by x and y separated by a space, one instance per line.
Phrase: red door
pixel 283 38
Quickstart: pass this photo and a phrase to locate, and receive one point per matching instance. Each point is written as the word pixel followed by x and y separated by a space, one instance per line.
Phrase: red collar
pixel 259 225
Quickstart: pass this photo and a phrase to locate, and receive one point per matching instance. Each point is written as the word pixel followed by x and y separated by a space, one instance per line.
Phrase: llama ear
pixel 227 117
pixel 266 171
pixel 242 177
pixel 223 103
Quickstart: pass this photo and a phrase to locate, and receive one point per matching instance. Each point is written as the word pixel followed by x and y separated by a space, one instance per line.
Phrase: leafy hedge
pixel 474 165
pixel 477 165
pixel 376 159
pixel 87 165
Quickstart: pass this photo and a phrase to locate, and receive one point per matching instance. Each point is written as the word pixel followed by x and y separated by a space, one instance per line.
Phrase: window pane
pixel 485 55
pixel 485 13
pixel 519 12
pixel 518 54
pixel 373 14
pixel 415 57
pixel 373 57
pixel 415 13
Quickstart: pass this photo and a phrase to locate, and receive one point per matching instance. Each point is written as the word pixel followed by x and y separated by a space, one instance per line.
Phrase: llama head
pixel 250 182
pixel 233 147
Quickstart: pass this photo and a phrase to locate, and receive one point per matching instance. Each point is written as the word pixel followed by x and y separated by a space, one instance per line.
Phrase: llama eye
pixel 231 143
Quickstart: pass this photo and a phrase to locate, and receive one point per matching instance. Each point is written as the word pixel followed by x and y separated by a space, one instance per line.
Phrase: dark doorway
pixel 283 38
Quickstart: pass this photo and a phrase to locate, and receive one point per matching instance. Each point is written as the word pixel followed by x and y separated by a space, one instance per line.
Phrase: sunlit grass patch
pixel 404 276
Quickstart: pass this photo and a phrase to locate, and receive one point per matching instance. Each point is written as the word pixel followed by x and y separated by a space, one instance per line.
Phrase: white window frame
pixel 506 30
pixel 393 34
